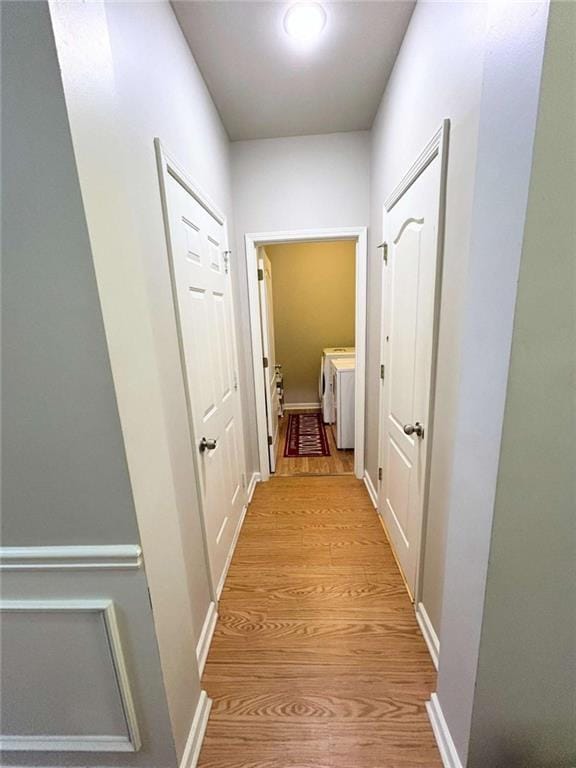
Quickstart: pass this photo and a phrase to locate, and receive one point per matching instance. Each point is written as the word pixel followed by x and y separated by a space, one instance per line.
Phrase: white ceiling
pixel 264 86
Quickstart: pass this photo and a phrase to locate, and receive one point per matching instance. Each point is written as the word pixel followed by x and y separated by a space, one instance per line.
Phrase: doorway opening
pixel 307 292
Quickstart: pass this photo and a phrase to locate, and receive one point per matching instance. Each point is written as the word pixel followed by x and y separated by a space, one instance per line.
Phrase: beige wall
pixel 313 286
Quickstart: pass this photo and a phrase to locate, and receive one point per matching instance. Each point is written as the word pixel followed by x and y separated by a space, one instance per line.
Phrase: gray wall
pixel 509 104
pixel 64 469
pixel 64 466
pixel 524 712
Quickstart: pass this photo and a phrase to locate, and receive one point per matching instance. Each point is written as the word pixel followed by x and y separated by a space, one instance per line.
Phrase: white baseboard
pixel 252 485
pixel 429 633
pixel 442 735
pixel 231 553
pixel 196 734
pixel 370 488
pixel 300 406
pixel 203 645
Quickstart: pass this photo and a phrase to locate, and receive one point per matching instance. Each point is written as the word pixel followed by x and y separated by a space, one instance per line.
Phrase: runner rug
pixel 306 436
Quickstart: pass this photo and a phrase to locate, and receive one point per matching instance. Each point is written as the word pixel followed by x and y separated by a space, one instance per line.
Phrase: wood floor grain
pixel 317 660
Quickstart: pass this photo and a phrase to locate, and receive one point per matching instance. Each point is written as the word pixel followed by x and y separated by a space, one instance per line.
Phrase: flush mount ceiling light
pixel 305 21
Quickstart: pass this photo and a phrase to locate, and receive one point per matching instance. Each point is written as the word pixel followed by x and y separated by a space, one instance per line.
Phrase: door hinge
pixel 260 274
pixel 384 247
pixel 270 441
pixel 382 371
pixel 150 598
pixel 226 255
pixel 235 382
pixel 379 473
pixel 265 362
pixel 243 480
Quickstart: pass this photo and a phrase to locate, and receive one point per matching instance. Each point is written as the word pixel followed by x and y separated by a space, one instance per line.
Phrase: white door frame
pixel 436 147
pixel 252 241
pixel 168 167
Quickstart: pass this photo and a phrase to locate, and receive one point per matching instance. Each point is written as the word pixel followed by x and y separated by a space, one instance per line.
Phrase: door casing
pixel 252 242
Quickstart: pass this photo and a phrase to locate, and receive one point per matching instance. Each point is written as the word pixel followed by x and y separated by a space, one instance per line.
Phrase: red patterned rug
pixel 306 436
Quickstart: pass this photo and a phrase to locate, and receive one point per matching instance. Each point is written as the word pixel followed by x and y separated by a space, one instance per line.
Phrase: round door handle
pixel 414 429
pixel 207 444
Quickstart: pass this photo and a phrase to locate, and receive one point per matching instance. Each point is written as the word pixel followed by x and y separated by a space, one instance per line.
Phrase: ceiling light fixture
pixel 305 21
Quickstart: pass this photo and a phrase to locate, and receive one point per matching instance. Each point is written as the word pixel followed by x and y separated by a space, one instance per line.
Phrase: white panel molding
pixel 442 735
pixel 252 485
pixel 196 733
pixel 429 633
pixel 251 242
pixel 85 743
pixel 299 406
pixel 370 488
pixel 206 635
pixel 106 557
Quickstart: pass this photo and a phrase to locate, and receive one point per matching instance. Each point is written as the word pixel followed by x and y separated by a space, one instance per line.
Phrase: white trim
pixel 430 151
pixel 442 735
pixel 196 734
pixel 252 485
pixel 203 645
pixel 252 241
pixel 370 488
pixel 300 406
pixel 226 568
pixel 437 146
pixel 107 557
pixel 89 743
pixel 429 633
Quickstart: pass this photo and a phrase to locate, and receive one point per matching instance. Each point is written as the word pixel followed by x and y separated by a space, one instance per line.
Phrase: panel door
pixel 268 348
pixel 411 228
pixel 204 302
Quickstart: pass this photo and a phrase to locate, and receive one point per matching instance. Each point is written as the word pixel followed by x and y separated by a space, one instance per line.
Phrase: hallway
pixel 317 660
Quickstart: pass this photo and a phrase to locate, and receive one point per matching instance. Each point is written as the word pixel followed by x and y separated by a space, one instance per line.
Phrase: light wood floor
pixel 338 463
pixel 317 660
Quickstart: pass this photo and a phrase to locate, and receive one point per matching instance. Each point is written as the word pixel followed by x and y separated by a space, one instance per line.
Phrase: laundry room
pixel 307 293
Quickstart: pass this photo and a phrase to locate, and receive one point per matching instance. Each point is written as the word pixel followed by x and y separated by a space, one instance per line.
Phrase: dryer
pixel 325 383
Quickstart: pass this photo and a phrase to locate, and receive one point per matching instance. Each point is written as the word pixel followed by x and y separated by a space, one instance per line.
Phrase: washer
pixel 325 383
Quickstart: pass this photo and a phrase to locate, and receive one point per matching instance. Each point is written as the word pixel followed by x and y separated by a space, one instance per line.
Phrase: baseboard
pixel 370 488
pixel 196 734
pixel 231 553
pixel 429 633
pixel 442 735
pixel 252 485
pixel 203 645
pixel 300 406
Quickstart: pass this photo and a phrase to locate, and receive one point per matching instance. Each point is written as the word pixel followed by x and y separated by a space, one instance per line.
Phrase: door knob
pixel 207 444
pixel 414 429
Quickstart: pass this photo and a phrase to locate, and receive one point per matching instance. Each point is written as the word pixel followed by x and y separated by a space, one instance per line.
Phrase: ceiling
pixel 265 86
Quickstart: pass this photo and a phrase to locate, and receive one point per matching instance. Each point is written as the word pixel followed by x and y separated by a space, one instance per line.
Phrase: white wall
pixel 438 74
pixel 509 103
pixel 129 76
pixel 295 183
pixel 525 699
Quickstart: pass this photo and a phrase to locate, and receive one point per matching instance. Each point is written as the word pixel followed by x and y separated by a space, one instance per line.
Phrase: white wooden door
pixel 409 287
pixel 204 302
pixel 269 351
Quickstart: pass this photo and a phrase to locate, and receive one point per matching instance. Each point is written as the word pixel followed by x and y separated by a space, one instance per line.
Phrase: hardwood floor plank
pixel 317 659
